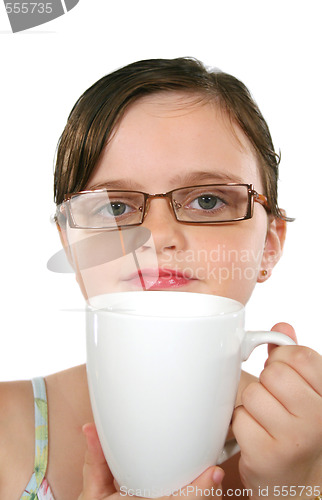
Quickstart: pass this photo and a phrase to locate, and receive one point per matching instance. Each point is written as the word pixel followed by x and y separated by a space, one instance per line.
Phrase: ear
pixel 275 239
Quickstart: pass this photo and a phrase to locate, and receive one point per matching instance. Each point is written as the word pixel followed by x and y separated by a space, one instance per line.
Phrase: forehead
pixel 165 136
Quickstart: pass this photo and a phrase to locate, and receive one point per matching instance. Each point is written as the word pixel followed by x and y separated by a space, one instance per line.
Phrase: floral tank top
pixel 38 487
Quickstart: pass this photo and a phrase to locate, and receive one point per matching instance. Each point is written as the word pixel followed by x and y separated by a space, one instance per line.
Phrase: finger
pixel 306 362
pixel 268 412
pixel 246 429
pixel 116 486
pixel 207 484
pixel 290 389
pixel 282 328
pixel 97 477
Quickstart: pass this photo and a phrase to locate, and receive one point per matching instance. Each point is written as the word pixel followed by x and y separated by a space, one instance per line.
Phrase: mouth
pixel 158 279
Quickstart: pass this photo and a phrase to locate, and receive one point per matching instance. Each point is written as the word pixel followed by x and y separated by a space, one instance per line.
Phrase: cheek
pixel 98 261
pixel 226 244
pixel 113 276
pixel 231 259
pixel 104 278
pixel 96 280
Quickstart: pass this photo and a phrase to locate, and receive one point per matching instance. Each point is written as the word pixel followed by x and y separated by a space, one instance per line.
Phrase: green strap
pixel 41 439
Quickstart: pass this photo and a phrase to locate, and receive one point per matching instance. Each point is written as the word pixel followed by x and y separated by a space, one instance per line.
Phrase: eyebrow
pixel 179 181
pixel 209 175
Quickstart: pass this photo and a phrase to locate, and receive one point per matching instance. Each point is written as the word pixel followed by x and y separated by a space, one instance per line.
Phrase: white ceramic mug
pixel 163 371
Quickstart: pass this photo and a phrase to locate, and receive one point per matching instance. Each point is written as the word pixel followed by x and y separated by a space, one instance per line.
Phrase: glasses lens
pixel 213 203
pixel 106 209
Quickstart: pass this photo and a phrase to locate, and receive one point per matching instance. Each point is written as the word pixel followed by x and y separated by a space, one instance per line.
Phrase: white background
pixel 273 46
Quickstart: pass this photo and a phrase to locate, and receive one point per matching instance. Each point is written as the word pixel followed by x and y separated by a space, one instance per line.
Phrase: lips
pixel 158 279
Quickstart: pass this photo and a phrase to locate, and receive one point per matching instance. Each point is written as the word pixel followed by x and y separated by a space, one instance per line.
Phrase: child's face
pixel 168 141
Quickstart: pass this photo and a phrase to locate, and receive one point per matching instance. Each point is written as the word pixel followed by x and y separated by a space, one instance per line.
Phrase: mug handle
pixel 250 341
pixel 254 339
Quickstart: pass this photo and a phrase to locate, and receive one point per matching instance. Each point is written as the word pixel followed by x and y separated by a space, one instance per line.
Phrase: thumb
pixel 208 484
pixel 282 328
pixel 97 477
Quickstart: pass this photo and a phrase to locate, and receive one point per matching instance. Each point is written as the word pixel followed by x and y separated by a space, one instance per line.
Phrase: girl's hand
pixel 279 425
pixel 98 482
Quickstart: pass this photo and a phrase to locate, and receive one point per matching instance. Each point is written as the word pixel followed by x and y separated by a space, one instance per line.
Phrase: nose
pixel 167 232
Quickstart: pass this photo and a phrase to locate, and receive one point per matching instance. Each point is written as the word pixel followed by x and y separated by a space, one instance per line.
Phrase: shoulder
pixel 10 404
pixel 16 412
pixel 14 397
pixel 16 427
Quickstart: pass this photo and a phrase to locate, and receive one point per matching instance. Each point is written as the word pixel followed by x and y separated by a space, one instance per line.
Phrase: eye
pixel 114 209
pixel 207 202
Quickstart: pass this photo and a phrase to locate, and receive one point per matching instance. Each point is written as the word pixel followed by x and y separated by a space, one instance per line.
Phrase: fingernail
pixel 87 431
pixel 218 476
pixel 84 429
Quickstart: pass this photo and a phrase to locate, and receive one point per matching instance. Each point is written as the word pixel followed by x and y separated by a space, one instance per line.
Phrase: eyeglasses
pixel 205 204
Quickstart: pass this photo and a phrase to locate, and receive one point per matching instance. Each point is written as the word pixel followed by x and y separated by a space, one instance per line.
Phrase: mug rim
pixel 237 306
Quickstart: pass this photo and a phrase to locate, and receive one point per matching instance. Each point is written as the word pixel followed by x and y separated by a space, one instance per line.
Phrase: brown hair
pixel 97 112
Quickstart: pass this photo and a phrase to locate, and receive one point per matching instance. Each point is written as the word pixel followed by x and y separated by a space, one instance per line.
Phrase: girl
pixel 169 127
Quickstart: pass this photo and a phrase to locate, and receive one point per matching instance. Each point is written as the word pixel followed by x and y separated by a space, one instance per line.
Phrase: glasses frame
pixel 253 196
